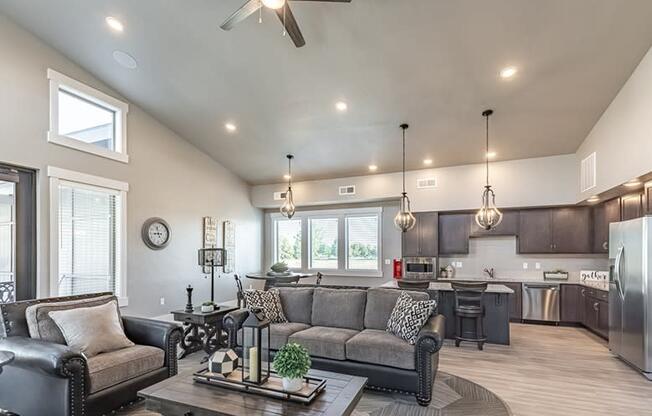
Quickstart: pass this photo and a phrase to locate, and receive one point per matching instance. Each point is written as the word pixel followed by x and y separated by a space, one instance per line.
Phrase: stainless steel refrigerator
pixel 630 292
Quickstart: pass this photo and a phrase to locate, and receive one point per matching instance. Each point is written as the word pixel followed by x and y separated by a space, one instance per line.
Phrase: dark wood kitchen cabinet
pixel 508 226
pixel 421 241
pixel 454 232
pixel 555 230
pixel 631 206
pixel 571 304
pixel 515 301
pixel 603 215
pixel 595 310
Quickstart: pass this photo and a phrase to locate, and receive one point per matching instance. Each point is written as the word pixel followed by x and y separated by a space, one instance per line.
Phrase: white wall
pixel 622 138
pixel 168 177
pixel 527 182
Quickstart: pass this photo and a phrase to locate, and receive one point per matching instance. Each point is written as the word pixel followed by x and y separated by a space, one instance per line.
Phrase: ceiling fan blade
pixel 241 14
pixel 291 25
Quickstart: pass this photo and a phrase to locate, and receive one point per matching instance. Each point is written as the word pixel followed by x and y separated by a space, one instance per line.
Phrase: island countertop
pixel 446 287
pixel 593 284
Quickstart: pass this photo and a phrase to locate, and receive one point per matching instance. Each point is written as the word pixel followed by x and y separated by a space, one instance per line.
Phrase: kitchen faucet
pixel 490 272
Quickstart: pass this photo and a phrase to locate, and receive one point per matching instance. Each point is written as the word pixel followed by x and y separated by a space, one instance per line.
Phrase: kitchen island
pixel 496 306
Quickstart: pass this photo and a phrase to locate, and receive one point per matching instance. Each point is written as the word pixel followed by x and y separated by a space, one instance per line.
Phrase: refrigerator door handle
pixel 617 269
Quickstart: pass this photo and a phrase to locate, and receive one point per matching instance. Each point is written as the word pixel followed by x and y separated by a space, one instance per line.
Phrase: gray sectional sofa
pixel 344 331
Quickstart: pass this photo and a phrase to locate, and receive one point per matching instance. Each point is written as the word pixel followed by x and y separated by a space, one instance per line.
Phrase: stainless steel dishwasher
pixel 541 302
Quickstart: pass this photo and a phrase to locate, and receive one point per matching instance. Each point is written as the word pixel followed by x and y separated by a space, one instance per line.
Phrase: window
pixel 7 230
pixel 86 119
pixel 344 242
pixel 88 218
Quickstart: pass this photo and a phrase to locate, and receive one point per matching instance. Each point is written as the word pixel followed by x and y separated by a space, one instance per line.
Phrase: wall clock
pixel 156 233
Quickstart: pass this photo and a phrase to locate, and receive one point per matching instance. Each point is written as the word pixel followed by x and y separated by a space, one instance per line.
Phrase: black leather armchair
pixel 50 379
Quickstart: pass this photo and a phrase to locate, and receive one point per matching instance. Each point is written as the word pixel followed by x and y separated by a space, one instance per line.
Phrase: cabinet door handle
pixel 605 245
pixel 596 306
pixel 583 292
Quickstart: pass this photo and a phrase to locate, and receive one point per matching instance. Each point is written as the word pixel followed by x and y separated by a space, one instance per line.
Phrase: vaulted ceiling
pixel 432 63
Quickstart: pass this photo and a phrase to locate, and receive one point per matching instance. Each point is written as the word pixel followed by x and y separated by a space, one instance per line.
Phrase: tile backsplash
pixel 501 254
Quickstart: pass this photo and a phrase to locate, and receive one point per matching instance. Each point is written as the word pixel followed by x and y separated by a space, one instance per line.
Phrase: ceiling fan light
pixel 273 4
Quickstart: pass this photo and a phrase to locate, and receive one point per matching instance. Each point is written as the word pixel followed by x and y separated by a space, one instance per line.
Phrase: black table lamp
pixel 211 257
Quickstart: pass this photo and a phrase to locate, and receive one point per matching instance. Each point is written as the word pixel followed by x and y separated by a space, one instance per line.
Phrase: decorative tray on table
pixel 312 386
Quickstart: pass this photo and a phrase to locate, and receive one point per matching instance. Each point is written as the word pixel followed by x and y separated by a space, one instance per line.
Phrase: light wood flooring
pixel 550 371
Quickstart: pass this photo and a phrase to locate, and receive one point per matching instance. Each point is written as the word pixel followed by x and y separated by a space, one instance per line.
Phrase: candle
pixel 253 364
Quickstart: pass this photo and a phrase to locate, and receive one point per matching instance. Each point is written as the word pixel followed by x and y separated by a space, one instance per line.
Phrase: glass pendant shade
pixel 288 208
pixel 488 217
pixel 405 220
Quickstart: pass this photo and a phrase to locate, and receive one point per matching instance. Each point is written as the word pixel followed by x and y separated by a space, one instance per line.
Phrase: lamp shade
pixel 211 257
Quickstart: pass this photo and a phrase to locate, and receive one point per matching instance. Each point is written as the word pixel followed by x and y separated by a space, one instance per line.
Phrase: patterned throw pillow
pixel 269 301
pixel 409 316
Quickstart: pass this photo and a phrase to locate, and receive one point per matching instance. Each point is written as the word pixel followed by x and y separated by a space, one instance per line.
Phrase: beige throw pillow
pixel 92 330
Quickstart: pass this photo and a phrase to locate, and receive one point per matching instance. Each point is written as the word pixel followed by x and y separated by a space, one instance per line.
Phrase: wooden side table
pixel 203 330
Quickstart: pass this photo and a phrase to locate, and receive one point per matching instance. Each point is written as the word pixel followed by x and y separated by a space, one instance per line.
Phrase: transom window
pixel 346 242
pixel 86 119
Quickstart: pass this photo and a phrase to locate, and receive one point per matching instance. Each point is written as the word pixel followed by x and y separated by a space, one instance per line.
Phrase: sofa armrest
pixel 429 342
pixel 34 354
pixel 161 334
pixel 232 322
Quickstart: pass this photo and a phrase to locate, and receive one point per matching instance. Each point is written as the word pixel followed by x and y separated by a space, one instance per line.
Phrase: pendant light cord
pixel 404 160
pixel 487 152
pixel 290 171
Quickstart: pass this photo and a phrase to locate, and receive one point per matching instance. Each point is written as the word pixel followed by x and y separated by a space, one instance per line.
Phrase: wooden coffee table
pixel 180 395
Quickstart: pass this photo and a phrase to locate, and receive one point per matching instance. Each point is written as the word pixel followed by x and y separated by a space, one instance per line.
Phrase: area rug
pixel 452 396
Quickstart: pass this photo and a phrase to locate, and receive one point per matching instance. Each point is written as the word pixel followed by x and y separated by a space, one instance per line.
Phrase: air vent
pixel 347 190
pixel 426 183
pixel 587 174
pixel 279 196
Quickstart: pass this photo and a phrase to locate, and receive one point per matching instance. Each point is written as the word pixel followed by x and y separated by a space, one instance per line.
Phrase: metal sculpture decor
pixel 223 361
pixel 404 220
pixel 489 216
pixel 288 208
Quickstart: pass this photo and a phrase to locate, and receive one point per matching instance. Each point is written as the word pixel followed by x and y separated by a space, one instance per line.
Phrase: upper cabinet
pixel 508 226
pixel 454 232
pixel 603 215
pixel 555 230
pixel 632 206
pixel 421 241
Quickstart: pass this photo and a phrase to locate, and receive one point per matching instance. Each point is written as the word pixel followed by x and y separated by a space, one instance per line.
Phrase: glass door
pixel 8 183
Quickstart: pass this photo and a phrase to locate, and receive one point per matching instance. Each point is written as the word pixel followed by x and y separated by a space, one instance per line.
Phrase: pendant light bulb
pixel 488 216
pixel 404 220
pixel 288 208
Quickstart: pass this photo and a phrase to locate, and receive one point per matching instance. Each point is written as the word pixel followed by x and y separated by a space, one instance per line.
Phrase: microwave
pixel 420 268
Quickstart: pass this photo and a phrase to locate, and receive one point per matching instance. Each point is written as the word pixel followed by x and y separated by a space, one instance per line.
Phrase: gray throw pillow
pixel 409 316
pixel 270 303
pixel 92 330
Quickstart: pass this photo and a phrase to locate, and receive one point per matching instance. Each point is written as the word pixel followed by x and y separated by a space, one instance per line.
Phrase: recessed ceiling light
pixel 508 72
pixel 230 127
pixel 593 199
pixel 373 168
pixel 491 155
pixel 341 106
pixel 115 24
pixel 633 183
pixel 273 4
pixel 125 60
pixel 287 177
pixel 427 161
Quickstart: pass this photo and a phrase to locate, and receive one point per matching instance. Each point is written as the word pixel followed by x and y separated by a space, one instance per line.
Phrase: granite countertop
pixel 599 285
pixel 446 286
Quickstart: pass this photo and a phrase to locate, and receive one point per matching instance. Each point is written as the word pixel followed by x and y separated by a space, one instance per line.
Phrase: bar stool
pixel 468 305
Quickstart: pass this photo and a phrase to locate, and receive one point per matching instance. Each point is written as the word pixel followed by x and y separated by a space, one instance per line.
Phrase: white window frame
pixel 57 177
pixel 342 244
pixel 59 81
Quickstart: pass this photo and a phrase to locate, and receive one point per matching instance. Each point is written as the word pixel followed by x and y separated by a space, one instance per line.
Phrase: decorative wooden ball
pixel 223 361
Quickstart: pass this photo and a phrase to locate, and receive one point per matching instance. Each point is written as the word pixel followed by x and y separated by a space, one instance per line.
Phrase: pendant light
pixel 288 208
pixel 488 217
pixel 404 220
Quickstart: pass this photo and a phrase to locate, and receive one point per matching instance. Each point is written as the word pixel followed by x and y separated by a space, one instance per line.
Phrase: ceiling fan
pixel 283 11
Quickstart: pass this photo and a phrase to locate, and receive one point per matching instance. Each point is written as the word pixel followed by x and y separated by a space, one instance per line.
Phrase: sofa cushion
pixel 339 308
pixel 409 316
pixel 325 342
pixel 380 304
pixel 92 330
pixel 297 303
pixel 279 333
pixel 269 301
pixel 41 326
pixel 377 346
pixel 111 368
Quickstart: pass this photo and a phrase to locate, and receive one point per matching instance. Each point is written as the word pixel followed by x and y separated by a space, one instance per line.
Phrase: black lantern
pixel 255 348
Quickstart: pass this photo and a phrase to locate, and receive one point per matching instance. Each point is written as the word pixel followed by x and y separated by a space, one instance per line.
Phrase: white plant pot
pixel 206 309
pixel 292 384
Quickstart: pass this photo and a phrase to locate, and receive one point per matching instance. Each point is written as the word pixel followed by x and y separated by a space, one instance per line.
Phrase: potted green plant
pixel 292 363
pixel 208 306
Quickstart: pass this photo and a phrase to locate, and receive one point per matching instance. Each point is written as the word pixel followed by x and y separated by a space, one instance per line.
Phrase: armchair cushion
pixel 92 330
pixel 41 325
pixel 376 346
pixel 111 368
